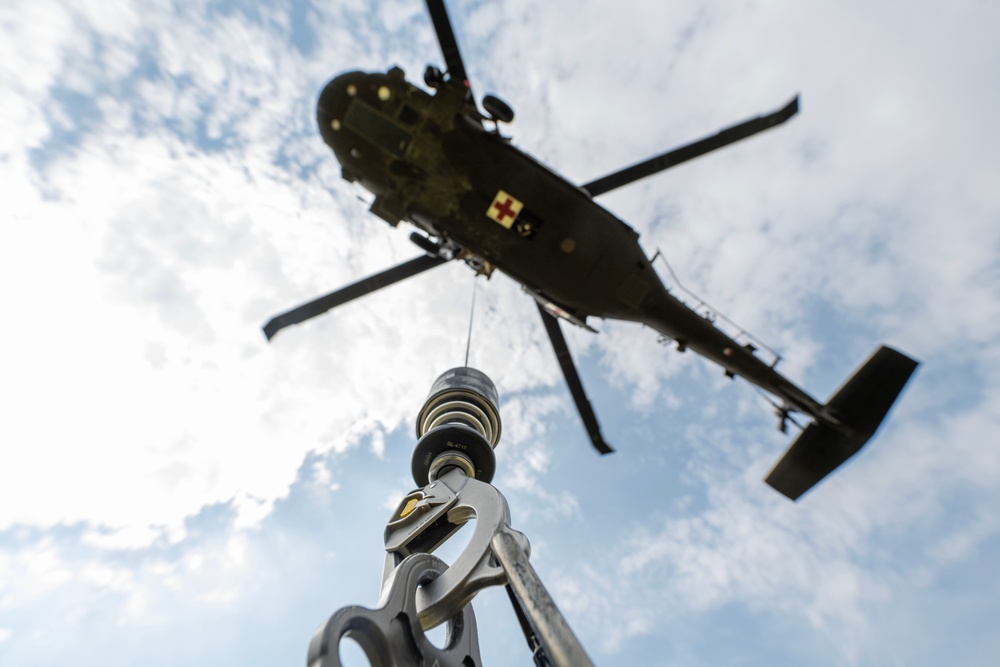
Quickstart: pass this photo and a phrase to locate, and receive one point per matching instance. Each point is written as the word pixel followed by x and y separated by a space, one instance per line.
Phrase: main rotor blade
pixel 446 38
pixel 573 380
pixel 351 292
pixel 683 154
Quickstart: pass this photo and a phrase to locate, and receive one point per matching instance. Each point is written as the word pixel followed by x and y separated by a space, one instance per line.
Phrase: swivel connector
pixel 458 427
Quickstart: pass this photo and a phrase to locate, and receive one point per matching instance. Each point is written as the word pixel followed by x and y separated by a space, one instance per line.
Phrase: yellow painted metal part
pixel 408 507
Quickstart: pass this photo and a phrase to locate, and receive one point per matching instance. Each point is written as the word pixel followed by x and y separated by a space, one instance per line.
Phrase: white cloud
pixel 128 537
pixel 168 194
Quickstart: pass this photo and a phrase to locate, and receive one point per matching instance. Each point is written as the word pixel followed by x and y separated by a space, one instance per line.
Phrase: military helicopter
pixel 438 161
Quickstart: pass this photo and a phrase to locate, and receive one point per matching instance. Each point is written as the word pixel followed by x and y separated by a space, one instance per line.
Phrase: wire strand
pixel 472 310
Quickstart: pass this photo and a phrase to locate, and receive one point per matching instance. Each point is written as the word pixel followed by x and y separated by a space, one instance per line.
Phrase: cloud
pixel 828 559
pixel 170 472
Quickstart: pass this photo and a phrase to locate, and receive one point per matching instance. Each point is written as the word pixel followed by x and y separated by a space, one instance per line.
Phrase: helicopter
pixel 438 161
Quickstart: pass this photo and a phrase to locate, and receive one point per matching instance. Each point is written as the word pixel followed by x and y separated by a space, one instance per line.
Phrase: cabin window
pixel 376 128
pixel 528 223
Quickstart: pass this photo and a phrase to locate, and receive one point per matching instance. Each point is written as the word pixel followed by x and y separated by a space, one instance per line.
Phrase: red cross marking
pixel 504 210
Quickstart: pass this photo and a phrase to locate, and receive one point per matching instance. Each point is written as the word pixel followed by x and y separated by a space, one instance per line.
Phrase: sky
pixel 175 490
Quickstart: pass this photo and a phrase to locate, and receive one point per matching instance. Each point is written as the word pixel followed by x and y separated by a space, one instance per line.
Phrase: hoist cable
pixel 472 310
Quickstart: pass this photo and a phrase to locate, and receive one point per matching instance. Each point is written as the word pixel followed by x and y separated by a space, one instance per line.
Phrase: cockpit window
pixel 370 124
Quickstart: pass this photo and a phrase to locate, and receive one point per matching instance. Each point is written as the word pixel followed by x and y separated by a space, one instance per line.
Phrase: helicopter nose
pixel 332 97
pixel 332 104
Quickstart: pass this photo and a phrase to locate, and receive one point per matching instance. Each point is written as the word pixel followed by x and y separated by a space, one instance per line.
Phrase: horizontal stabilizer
pixel 858 408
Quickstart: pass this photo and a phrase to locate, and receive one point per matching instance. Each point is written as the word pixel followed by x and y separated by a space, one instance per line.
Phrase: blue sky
pixel 173 489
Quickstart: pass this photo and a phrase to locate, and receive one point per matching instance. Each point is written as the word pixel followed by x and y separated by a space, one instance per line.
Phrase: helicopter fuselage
pixel 435 160
pixel 429 159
